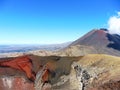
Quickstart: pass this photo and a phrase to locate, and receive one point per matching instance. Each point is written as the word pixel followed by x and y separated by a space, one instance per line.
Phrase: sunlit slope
pixel 104 71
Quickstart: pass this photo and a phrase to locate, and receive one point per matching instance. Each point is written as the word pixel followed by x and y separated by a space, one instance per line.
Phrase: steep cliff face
pixel 78 79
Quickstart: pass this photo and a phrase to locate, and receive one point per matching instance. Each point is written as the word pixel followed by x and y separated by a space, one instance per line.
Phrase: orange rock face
pixel 21 63
pixel 45 75
pixel 25 65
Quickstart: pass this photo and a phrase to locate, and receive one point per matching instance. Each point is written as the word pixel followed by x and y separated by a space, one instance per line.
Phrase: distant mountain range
pixel 26 48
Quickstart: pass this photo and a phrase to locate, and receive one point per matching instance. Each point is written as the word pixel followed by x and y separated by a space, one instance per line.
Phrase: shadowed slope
pixel 115 41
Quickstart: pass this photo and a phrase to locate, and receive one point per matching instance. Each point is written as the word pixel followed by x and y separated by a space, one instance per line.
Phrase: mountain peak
pixel 104 29
pixel 101 40
pixel 92 37
pixel 101 30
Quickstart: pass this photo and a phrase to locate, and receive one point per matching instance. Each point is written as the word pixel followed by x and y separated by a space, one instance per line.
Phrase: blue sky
pixel 52 21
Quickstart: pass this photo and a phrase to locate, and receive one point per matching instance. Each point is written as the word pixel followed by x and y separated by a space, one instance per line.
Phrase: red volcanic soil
pixel 20 63
pixel 45 75
pixel 21 66
pixel 100 33
pixel 26 67
pixel 95 38
pixel 17 83
pixel 13 79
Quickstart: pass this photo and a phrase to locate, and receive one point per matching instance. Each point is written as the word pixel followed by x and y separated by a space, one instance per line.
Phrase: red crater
pixel 25 64
pixel 22 63
pixel 27 67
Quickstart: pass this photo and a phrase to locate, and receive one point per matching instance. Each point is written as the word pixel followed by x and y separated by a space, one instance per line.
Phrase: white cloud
pixel 118 13
pixel 114 24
